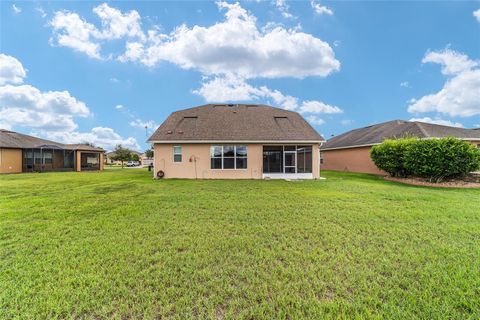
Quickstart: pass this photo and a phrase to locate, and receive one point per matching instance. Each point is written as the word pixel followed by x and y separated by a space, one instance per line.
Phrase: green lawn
pixel 117 244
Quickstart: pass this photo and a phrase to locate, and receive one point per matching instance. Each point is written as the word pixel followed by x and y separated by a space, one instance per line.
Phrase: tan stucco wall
pixel 10 160
pixel 196 162
pixel 350 160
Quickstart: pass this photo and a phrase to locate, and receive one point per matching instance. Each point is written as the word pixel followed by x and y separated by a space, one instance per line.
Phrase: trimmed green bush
pixel 433 159
pixel 438 159
pixel 389 156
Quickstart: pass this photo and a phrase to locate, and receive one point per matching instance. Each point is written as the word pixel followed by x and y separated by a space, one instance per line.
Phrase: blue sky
pixel 101 71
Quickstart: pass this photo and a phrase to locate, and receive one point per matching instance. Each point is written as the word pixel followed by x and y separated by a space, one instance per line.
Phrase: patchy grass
pixel 117 244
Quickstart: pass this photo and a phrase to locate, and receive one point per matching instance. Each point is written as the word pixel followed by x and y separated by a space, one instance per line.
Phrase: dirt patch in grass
pixel 445 184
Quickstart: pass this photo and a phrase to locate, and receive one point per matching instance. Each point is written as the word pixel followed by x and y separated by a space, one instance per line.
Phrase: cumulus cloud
pixel 476 14
pixel 233 46
pixel 319 9
pixel 404 84
pixel 227 53
pixel 318 107
pixel 438 121
pixel 52 110
pixel 460 94
pixel 11 70
pixel 70 30
pixel 141 124
pixel 50 114
pixel 116 24
pixel 284 8
pixel 315 120
pixel 103 137
pixel 231 88
pixel 452 62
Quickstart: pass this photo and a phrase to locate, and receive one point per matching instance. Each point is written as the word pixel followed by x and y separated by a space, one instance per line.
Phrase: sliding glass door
pixel 272 159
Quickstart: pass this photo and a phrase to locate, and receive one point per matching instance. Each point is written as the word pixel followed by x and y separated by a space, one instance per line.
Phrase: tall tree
pixel 135 157
pixel 149 153
pixel 121 154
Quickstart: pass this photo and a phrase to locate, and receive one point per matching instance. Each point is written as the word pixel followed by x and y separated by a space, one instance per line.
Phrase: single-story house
pixel 350 151
pixel 236 141
pixel 23 153
pixel 142 158
pixel 111 154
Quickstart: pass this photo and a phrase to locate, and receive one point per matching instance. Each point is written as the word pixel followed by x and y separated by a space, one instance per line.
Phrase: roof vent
pixel 169 132
pixel 180 131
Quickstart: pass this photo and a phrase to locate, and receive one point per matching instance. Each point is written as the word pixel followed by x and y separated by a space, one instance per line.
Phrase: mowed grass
pixel 117 244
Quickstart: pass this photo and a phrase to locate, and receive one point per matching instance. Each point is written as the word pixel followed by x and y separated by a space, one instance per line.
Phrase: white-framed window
pixel 228 157
pixel 177 153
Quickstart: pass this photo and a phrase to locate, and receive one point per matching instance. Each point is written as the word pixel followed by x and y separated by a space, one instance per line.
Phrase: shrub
pixel 437 159
pixel 389 156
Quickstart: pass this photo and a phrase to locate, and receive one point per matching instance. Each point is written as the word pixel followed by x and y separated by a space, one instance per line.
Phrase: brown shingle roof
pixel 11 139
pixel 377 133
pixel 235 122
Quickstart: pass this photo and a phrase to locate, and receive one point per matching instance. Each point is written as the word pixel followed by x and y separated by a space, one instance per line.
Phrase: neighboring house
pixel 145 161
pixel 109 155
pixel 350 151
pixel 236 141
pixel 23 153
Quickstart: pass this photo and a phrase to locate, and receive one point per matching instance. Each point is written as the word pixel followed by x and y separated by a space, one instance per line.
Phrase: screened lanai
pixel 48 158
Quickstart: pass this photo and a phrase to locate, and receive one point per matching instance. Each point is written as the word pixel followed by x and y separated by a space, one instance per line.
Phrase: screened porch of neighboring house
pixel 48 158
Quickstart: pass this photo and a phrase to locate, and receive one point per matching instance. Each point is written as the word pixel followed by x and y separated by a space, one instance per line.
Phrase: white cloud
pixel 11 70
pixel 319 9
pixel 237 46
pixel 452 62
pixel 231 88
pixel 72 31
pixel 28 97
pixel 141 124
pixel 283 7
pixel 103 137
pixel 42 12
pixel 318 107
pixel 476 14
pixel 119 106
pixel 50 114
pixel 346 122
pixel 116 25
pixel 114 80
pixel 460 94
pixel 315 120
pixel 16 9
pixel 29 107
pixel 69 30
pixel 405 84
pixel 438 121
